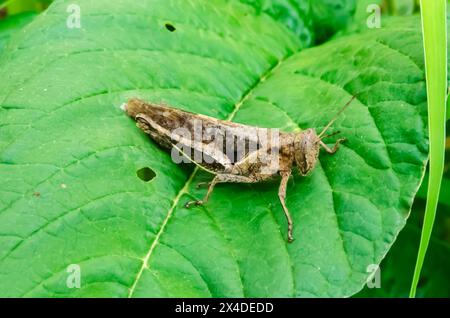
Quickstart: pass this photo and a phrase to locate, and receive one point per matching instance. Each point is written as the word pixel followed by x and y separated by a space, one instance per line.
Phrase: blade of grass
pixel 444 197
pixel 448 107
pixel 434 19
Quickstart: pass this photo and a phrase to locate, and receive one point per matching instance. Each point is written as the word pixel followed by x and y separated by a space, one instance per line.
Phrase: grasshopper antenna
pixel 331 135
pixel 337 115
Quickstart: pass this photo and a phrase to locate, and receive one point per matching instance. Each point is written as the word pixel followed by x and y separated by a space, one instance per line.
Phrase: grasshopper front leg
pixel 282 196
pixel 335 147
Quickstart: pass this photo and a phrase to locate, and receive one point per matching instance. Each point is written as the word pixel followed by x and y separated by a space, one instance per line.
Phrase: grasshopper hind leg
pixel 220 178
pixel 208 193
pixel 202 184
pixel 282 197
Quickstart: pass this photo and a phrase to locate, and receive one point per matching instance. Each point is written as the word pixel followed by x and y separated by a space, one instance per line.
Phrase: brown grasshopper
pixel 232 152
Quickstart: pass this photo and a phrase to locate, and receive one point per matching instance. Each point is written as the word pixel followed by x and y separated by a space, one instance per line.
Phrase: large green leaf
pixel 311 21
pixel 69 155
pixel 396 270
pixel 330 16
pixel 10 25
pixel 296 15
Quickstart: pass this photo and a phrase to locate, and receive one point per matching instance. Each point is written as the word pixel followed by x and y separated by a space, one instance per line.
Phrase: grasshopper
pixel 233 152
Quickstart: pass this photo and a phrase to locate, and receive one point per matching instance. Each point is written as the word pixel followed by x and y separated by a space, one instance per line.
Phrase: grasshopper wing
pixel 212 144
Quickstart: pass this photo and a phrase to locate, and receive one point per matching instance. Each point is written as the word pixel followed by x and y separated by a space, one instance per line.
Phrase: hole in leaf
pixel 146 174
pixel 170 27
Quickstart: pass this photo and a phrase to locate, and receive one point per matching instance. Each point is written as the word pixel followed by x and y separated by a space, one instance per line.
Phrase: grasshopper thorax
pixel 306 150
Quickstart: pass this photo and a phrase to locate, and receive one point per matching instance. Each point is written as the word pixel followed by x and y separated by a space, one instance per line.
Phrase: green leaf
pixel 330 16
pixel 15 7
pixel 311 21
pixel 11 25
pixel 402 7
pixel 296 15
pixel 19 6
pixel 396 270
pixel 69 156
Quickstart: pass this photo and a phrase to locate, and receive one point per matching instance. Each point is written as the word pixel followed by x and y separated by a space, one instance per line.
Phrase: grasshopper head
pixel 306 150
pixel 307 144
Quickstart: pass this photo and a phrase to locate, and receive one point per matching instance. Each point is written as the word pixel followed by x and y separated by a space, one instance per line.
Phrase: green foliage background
pixel 308 26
